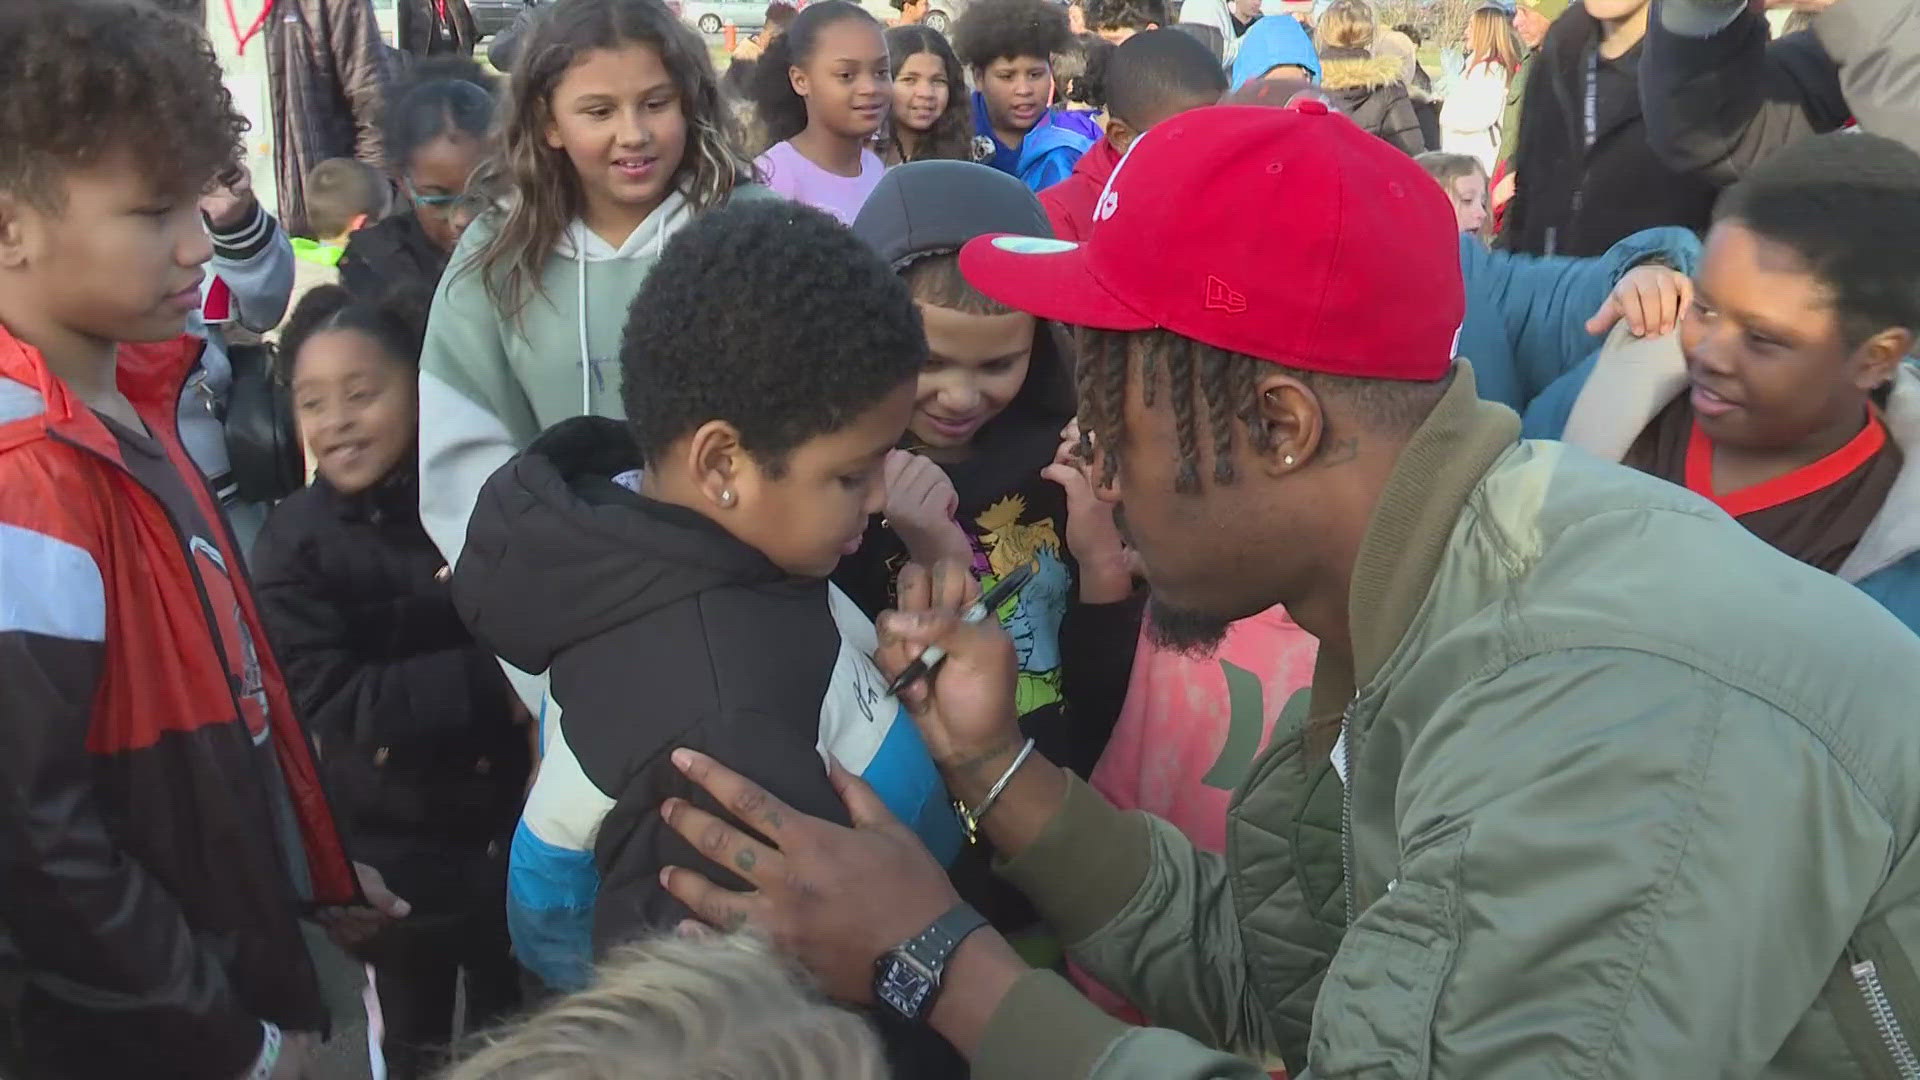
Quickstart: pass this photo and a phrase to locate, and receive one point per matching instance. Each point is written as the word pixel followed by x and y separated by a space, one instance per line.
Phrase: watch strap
pixel 932 946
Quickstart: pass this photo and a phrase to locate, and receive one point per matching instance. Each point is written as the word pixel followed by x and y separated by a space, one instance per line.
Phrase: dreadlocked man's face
pixel 1224 549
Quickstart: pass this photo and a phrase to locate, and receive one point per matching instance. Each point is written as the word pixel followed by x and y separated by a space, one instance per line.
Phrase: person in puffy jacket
pixel 1366 87
pixel 425 751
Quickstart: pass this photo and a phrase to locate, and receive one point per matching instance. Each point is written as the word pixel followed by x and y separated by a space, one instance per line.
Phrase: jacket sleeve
pixel 1544 302
pixel 1719 97
pixel 1577 890
pixel 474 415
pixel 98 935
pixel 255 259
pixel 1096 662
pixel 375 673
pixel 360 58
pixel 1401 125
pixel 1877 45
pixel 1149 916
pixel 634 841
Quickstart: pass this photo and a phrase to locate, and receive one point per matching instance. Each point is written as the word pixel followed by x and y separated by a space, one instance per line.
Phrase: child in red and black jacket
pixel 162 826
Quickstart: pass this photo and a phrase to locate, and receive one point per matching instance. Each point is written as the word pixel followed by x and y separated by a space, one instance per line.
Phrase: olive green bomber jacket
pixel 1630 794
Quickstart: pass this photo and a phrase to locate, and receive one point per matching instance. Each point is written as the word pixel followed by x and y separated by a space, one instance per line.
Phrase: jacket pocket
pixel 1875 996
pixel 1375 1015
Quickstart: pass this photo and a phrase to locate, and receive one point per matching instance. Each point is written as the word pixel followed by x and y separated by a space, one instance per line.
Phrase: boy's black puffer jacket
pixel 418 738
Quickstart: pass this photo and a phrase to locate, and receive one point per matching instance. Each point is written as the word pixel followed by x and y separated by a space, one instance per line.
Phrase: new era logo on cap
pixel 1223 297
pixel 1287 234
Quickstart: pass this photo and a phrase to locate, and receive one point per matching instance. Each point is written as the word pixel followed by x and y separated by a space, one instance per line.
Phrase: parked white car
pixel 711 17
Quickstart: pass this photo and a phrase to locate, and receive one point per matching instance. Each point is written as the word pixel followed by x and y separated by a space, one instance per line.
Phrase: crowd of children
pixel 631 397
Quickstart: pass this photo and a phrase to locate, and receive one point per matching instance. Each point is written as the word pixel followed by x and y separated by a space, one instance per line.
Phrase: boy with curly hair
pixel 670 572
pixel 1010 45
pixel 160 817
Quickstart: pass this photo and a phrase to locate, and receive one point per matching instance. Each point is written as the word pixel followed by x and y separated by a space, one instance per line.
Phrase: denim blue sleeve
pixel 1544 302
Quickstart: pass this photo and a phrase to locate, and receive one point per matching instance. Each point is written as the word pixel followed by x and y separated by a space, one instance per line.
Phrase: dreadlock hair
pixel 1221 388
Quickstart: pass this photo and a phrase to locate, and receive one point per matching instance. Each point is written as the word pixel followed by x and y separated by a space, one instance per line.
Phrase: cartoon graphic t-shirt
pixel 1074 658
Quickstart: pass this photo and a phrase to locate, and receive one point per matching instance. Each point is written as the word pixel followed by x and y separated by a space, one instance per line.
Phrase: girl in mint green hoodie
pixel 613 137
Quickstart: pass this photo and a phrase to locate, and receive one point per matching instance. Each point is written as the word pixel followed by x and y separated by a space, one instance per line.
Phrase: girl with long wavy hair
pixel 931 119
pixel 1471 120
pixel 613 136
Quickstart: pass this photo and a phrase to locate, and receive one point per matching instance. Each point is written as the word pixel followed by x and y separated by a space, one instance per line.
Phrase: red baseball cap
pixel 1287 234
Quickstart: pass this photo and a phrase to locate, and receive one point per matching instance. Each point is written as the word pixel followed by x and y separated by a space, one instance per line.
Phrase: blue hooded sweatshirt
pixel 1270 43
pixel 1048 153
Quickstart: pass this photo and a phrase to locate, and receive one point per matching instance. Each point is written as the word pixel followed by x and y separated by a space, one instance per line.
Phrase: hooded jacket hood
pixel 1356 69
pixel 928 208
pixel 558 552
pixel 1272 43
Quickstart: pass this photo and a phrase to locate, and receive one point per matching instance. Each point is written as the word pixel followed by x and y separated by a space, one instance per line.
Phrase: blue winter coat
pixel 1527 314
pixel 1271 43
pixel 1050 150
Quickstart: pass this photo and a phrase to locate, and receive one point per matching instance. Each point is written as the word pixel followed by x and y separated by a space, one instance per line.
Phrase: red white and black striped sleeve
pixel 102 939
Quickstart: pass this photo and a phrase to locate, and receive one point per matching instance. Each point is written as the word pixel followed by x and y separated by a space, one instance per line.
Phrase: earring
pixel 1287 461
pixel 726 497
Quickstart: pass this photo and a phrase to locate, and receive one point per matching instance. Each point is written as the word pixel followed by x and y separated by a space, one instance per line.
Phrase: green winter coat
pixel 1632 795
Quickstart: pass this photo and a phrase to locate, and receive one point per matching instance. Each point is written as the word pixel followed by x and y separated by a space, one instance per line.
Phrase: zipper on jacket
pixel 1867 977
pixel 1346 804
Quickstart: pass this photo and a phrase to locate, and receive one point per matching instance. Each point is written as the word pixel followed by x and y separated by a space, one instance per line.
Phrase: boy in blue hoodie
pixel 1009 45
pixel 1273 49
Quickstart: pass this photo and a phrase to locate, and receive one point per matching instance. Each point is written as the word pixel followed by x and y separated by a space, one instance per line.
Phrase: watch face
pixel 901 987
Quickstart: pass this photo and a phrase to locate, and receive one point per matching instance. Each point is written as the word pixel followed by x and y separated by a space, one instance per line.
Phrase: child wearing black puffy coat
pixel 424 751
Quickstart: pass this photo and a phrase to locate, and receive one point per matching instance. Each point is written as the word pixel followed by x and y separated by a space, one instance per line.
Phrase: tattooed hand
pixel 833 898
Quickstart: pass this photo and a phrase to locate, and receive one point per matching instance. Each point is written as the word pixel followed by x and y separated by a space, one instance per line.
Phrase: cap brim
pixel 1046 278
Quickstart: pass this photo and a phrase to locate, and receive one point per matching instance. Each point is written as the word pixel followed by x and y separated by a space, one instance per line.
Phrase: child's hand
pixel 920 507
pixel 1651 298
pixel 230 200
pixel 1106 563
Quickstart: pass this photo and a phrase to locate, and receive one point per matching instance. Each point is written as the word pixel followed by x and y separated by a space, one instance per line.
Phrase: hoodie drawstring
pixel 586 360
pixel 587 372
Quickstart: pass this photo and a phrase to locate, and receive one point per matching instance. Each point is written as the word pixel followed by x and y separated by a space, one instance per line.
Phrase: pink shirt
pixel 1191 728
pixel 792 175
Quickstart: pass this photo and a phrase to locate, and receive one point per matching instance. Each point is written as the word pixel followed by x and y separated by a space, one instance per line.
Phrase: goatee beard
pixel 1192 634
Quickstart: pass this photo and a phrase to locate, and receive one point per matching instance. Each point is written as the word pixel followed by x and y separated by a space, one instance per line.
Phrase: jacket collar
pixel 35 404
pixel 1439 468
pixel 1634 378
pixel 1572 36
pixel 1357 69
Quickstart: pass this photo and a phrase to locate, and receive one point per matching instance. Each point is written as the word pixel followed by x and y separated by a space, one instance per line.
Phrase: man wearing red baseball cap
pixel 1597 816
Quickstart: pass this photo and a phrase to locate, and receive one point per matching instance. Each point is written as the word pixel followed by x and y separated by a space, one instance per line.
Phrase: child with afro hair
pixel 1009 45
pixel 670 573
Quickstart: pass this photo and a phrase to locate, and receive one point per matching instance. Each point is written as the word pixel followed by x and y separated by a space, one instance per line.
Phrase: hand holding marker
pixel 926 663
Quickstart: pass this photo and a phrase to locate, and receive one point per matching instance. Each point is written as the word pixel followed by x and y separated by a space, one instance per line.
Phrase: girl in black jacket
pixel 434 136
pixel 425 754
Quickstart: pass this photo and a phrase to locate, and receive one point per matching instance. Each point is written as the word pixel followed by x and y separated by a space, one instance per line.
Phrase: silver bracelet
pixel 970 819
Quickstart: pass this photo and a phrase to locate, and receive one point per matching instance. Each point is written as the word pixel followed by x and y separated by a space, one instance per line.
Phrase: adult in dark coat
pixel 1579 195
pixel 426 755
pixel 327 72
pixel 1721 95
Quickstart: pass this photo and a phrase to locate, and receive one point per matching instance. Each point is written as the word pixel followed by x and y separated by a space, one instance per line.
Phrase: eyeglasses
pixel 467 202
